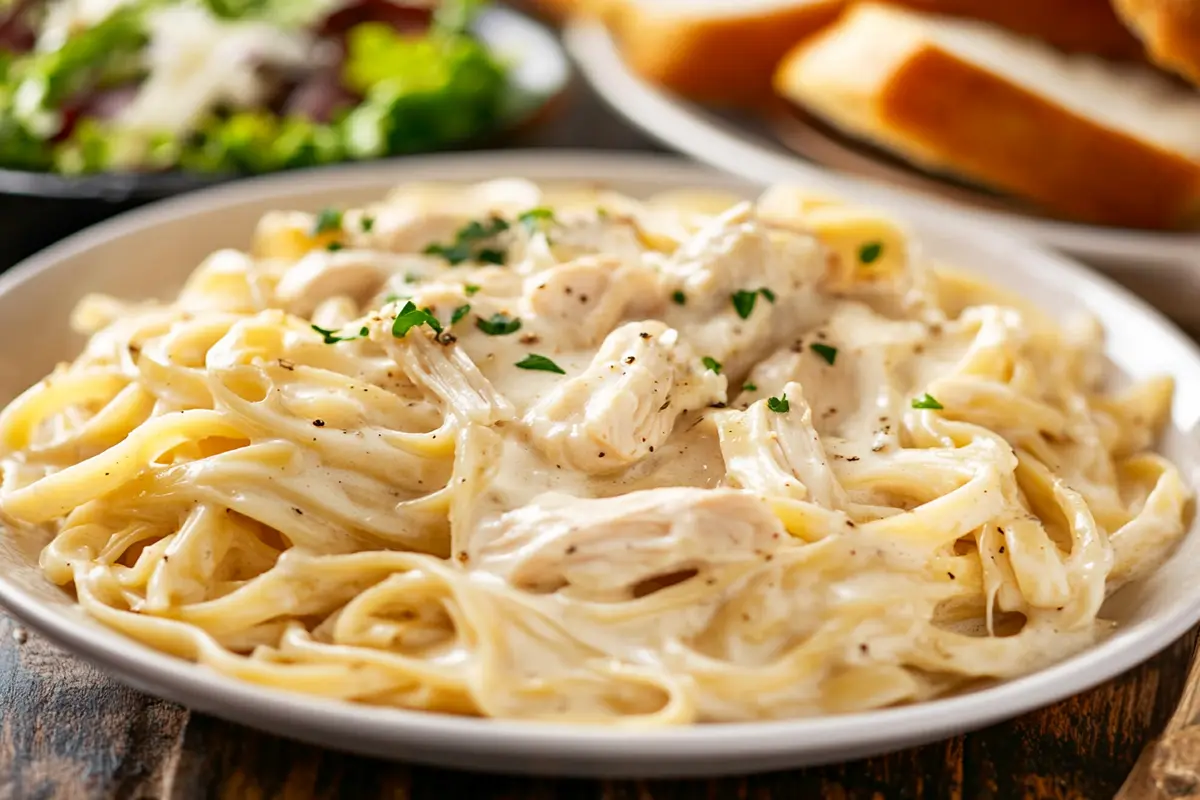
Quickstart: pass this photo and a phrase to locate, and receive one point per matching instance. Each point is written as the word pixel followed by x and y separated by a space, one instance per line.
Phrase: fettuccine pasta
pixel 563 455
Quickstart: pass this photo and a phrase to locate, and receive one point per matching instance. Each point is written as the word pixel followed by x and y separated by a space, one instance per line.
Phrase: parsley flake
pixel 679 298
pixel 327 221
pixel 749 387
pixel 475 230
pixel 870 252
pixel 767 293
pixel 459 313
pixel 825 351
pixel 491 255
pixel 470 289
pixel 333 247
pixel 534 361
pixel 712 364
pixel 464 246
pixel 498 325
pixel 332 336
pixel 366 222
pixel 453 253
pixel 927 401
pixel 411 317
pixel 743 302
pixel 779 405
pixel 393 297
pixel 535 220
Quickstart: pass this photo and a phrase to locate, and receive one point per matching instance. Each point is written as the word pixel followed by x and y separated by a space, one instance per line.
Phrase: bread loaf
pixel 721 51
pixel 1081 26
pixel 1084 139
pixel 1170 30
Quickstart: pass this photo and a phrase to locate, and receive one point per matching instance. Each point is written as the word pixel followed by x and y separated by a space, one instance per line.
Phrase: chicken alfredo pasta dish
pixel 517 452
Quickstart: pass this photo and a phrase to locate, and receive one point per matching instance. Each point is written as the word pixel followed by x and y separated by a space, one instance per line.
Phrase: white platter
pixel 707 137
pixel 148 252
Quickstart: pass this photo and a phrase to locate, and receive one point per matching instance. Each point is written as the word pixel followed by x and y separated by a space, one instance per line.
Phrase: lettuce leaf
pixel 420 93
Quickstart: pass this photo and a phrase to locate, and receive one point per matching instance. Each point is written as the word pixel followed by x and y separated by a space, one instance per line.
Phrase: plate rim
pixel 702 135
pixel 548 748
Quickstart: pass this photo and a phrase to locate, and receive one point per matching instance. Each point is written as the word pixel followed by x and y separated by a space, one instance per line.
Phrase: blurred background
pixel 1073 122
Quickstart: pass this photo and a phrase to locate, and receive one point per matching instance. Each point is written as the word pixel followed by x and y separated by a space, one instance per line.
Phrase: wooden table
pixel 69 731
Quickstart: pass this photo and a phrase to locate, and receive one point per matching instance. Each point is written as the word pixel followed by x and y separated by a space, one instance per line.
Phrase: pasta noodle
pixel 510 451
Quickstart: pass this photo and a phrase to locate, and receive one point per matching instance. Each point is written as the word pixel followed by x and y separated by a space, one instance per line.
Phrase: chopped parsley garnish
pixel 927 401
pixel 331 336
pixel 536 219
pixel 749 387
pixel 464 246
pixel 767 293
pixel 470 289
pixel 743 302
pixel 870 252
pixel 491 255
pixel 712 364
pixel 601 212
pixel 333 247
pixel 366 223
pixel 679 298
pixel 477 231
pixel 393 297
pixel 498 325
pixel 459 313
pixel 534 361
pixel 410 317
pixel 454 253
pixel 779 405
pixel 825 351
pixel 328 219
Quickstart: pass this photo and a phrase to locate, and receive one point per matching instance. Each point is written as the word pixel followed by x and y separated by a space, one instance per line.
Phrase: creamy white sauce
pixel 761 476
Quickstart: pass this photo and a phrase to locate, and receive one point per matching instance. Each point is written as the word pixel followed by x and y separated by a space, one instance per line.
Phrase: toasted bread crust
pixel 556 10
pixel 1001 135
pixel 1079 26
pixel 1170 30
pixel 726 59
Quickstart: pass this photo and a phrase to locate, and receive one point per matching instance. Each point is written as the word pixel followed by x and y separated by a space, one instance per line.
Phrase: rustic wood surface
pixel 69 731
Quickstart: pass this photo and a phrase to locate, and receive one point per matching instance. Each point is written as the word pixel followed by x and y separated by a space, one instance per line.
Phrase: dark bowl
pixel 38 208
pixel 108 187
pixel 539 74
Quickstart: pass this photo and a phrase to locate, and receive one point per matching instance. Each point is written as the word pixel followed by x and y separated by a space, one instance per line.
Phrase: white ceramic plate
pixel 736 149
pixel 148 252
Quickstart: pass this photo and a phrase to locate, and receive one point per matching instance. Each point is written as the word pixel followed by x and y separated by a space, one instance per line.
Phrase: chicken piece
pixel 735 252
pixel 321 275
pixel 613 548
pixel 576 235
pixel 778 452
pixel 401 231
pixel 743 290
pixel 508 196
pixel 418 215
pixel 585 299
pixel 447 372
pixel 626 402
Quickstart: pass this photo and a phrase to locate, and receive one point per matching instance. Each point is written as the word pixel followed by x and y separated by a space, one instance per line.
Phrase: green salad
pixel 237 85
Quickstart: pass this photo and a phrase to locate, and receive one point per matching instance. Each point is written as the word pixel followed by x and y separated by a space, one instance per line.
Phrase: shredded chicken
pixel 608 549
pixel 626 402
